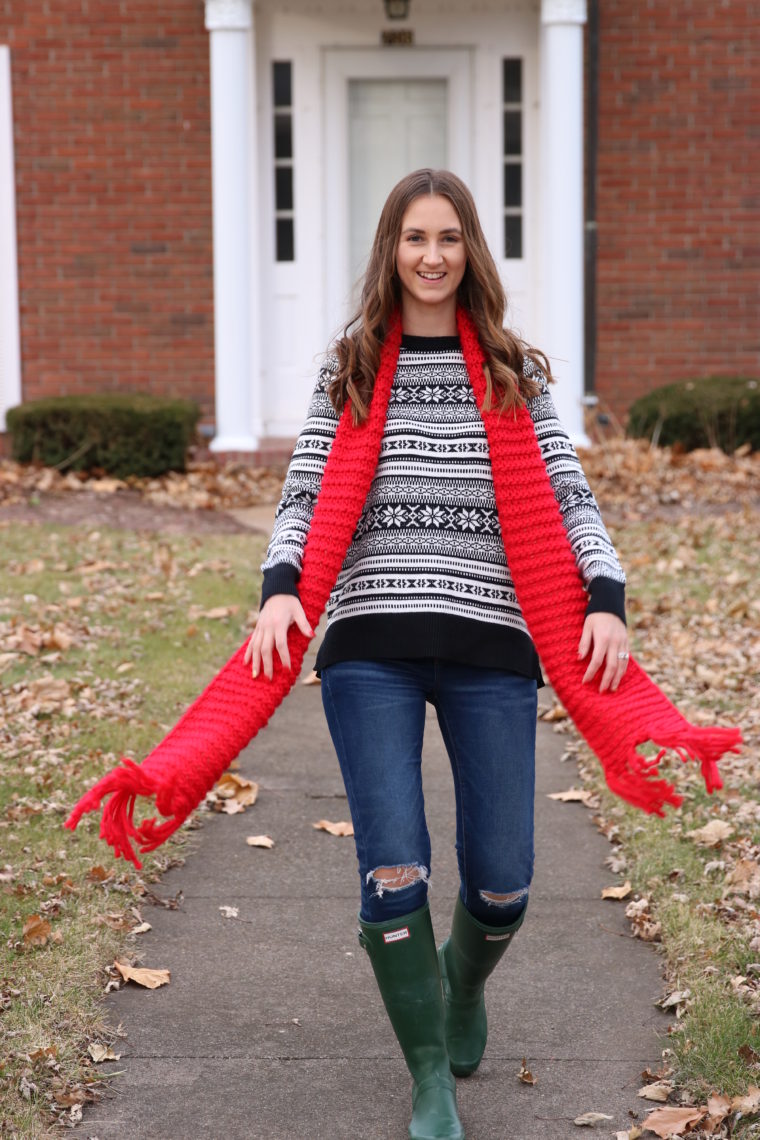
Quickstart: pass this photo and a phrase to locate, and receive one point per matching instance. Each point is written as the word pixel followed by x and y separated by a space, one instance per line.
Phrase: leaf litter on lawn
pixel 94 662
pixel 687 530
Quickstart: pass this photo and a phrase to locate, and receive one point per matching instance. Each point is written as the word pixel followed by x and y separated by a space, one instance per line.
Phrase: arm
pixel 280 604
pixel 604 631
pixel 284 559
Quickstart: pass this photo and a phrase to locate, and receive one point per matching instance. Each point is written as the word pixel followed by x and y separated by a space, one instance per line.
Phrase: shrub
pixel 714 411
pixel 124 434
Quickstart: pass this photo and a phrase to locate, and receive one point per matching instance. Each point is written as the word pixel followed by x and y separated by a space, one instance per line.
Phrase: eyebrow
pixel 416 230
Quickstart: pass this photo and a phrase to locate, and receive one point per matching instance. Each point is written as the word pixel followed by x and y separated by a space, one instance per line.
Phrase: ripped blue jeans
pixel 376 714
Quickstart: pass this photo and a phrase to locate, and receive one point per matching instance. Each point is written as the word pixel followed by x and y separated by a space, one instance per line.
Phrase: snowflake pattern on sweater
pixel 428 539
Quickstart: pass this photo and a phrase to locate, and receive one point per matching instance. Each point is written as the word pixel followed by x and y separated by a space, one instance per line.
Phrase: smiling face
pixel 430 262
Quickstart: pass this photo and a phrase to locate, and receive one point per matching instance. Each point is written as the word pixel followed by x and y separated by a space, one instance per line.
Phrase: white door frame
pixel 340 66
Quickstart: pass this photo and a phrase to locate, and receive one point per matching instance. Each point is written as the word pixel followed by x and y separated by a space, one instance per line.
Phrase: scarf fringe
pixel 234 706
pixel 633 776
pixel 553 602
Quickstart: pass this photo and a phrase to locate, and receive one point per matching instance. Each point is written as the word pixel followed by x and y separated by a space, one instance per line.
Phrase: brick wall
pixel 112 138
pixel 678 205
pixel 113 183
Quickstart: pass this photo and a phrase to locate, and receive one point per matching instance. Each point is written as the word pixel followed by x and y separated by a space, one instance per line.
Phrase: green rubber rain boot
pixel 403 956
pixel 467 957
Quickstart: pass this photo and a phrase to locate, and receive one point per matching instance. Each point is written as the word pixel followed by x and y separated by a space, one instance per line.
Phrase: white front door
pixel 395 126
pixel 388 112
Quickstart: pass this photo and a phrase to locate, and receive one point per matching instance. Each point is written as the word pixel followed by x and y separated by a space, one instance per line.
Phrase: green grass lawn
pixel 105 637
pixel 695 621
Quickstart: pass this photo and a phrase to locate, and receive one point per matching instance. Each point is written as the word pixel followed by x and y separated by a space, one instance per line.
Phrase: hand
pixel 608 635
pixel 275 619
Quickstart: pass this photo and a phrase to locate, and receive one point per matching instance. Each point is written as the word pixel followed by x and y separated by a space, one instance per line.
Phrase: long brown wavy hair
pixel 481 293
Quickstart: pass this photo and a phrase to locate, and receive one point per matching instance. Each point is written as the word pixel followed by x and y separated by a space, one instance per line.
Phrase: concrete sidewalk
pixel 272 1026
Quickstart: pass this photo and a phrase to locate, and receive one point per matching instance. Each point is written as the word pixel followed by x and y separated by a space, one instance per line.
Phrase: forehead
pixel 430 212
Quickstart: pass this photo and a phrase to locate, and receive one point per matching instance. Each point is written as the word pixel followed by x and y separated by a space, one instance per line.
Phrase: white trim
pixel 229 15
pixel 234 192
pixel 562 218
pixel 340 66
pixel 563 11
pixel 10 338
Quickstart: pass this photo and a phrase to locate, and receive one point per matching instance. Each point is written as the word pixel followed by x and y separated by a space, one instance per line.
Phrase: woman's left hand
pixel 608 636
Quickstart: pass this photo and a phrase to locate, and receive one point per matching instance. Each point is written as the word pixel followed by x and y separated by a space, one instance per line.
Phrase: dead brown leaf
pixel 341 828
pixel 749 1055
pixel 36 931
pixel 672 1121
pixel 238 789
pixel 100 1052
pixel 747 1104
pixel 620 892
pixel 217 613
pixel 572 796
pixel 556 712
pixel 43 1053
pixel 99 874
pixel 259 841
pixel 525 1074
pixel 712 834
pixel 116 920
pixel 589 1119
pixel 149 978
pixel 745 878
pixel 659 1091
pixel 232 807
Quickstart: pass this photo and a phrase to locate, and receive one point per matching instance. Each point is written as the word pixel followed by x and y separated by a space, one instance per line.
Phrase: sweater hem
pixel 412 636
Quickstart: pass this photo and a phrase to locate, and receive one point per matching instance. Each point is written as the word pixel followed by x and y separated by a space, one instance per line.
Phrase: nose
pixel 432 255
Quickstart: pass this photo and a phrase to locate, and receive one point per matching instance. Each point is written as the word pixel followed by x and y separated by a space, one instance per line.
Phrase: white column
pixel 562 204
pixel 10 341
pixel 236 324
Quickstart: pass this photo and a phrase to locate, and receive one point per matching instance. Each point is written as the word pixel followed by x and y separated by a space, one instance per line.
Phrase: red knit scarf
pixel 231 710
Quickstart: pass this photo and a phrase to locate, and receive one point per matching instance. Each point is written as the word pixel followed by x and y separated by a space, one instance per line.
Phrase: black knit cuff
pixel 279 579
pixel 607 597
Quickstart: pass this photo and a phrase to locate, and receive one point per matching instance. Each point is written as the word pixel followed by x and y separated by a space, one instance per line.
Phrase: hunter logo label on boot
pixel 396 935
pixel 499 937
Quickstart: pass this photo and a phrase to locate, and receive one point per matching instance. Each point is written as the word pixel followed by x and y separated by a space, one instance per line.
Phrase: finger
pixel 610 669
pixel 303 624
pixel 595 664
pixel 283 650
pixel 585 642
pixel 622 665
pixel 255 658
pixel 249 648
pixel 266 655
pixel 253 652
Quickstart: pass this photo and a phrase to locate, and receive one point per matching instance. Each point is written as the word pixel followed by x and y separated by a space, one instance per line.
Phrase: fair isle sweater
pixel 426 574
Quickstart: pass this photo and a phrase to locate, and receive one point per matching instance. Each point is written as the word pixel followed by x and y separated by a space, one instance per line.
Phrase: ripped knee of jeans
pixel 397 878
pixel 494 898
pixel 504 907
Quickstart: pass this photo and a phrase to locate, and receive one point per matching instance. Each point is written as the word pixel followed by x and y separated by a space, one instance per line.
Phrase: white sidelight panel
pixel 10 341
pixel 562 204
pixel 236 332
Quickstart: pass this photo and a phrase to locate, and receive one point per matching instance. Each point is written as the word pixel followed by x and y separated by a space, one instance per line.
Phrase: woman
pixel 424 610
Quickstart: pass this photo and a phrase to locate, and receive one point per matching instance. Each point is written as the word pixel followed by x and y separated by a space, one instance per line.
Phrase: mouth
pixel 431 276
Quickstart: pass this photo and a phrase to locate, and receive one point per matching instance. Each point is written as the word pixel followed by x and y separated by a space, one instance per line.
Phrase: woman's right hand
pixel 275 619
